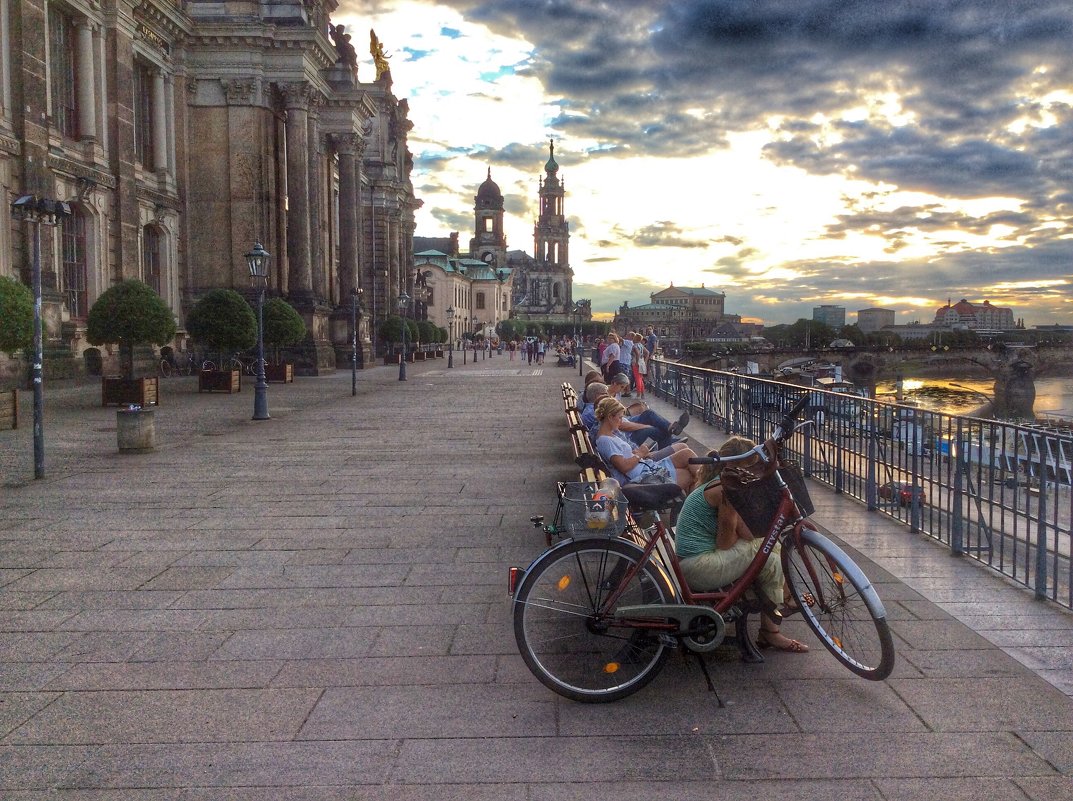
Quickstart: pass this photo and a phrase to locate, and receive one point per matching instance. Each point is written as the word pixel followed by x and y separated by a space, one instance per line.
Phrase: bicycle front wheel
pixel 567 636
pixel 167 369
pixel 839 604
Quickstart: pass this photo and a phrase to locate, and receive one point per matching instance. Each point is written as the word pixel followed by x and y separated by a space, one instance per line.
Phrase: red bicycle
pixel 596 616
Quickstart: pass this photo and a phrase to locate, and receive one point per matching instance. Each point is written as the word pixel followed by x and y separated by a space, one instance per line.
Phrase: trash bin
pixel 135 430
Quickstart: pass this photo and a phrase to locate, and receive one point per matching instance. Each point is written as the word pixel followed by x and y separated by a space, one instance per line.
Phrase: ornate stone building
pixel 182 133
pixel 680 312
pixel 544 282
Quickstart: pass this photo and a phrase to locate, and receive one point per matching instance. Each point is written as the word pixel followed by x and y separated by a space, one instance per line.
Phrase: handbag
pixel 653 474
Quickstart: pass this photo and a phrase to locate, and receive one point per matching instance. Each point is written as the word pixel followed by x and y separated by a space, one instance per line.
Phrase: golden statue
pixel 376 49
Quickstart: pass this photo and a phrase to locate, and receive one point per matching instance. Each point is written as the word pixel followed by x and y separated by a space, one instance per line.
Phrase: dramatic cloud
pixel 800 151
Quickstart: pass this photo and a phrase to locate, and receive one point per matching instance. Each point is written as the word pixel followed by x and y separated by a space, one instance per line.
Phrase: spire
pixel 552 166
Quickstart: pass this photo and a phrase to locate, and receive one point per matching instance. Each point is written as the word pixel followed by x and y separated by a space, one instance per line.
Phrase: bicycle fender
pixel 868 592
pixel 560 546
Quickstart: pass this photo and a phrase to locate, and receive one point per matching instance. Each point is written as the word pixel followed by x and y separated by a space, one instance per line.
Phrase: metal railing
pixel 995 491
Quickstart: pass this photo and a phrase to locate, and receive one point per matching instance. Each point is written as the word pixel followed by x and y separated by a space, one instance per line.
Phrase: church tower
pixel 551 234
pixel 489 243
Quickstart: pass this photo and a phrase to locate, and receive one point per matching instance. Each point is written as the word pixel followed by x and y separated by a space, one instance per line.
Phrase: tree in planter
pixel 130 313
pixel 222 321
pixel 16 316
pixel 427 332
pixel 283 326
pixel 391 329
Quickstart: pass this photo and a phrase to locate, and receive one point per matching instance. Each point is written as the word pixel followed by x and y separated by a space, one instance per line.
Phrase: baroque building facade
pixel 182 133
pixel 682 313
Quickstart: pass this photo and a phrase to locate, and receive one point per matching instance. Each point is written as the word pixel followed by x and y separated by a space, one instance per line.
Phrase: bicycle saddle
pixel 651 497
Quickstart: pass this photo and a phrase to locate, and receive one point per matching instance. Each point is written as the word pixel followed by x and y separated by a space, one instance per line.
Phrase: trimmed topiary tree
pixel 427 332
pixel 283 326
pixel 223 322
pixel 16 316
pixel 130 313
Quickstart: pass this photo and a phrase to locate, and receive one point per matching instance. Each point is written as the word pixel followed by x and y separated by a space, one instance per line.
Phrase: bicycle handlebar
pixel 782 431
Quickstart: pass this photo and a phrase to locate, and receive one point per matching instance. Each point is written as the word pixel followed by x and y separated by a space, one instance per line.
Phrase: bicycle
pixel 596 615
pixel 171 364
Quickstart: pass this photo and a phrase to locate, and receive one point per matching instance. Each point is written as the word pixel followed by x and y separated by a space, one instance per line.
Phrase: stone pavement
pixel 314 607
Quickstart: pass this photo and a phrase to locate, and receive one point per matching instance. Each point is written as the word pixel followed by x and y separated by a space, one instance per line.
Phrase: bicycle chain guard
pixel 690 619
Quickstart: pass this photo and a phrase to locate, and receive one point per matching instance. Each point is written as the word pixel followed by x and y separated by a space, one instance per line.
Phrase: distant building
pixel 833 316
pixel 975 316
pixel 691 313
pixel 872 320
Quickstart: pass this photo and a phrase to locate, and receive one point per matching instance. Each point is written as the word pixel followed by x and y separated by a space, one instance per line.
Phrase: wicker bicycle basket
pixel 756 499
pixel 591 508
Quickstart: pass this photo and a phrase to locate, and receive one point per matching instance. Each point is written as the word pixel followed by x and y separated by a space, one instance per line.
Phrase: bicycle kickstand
pixel 708 679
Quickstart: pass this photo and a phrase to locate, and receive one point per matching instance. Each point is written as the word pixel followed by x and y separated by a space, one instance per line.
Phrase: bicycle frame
pixel 720 600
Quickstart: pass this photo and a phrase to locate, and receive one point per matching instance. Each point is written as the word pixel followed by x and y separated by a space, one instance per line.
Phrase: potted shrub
pixel 130 313
pixel 16 333
pixel 390 332
pixel 426 335
pixel 283 327
pixel 222 322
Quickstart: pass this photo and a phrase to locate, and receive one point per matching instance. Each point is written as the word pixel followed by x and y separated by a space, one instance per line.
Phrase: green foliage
pixel 222 321
pixel 509 329
pixel 391 329
pixel 16 316
pixel 283 325
pixel 441 334
pixel 427 332
pixel 130 313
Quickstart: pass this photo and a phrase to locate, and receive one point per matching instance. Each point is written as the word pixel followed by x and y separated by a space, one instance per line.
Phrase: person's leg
pixel 712 570
pixel 771 583
pixel 641 434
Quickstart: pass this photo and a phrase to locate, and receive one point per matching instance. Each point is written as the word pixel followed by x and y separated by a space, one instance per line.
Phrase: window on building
pixel 151 256
pixel 480 300
pixel 62 72
pixel 74 267
pixel 488 225
pixel 143 114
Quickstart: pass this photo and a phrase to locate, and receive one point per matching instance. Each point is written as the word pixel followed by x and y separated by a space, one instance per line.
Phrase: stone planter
pixel 281 373
pixel 419 356
pixel 116 391
pixel 219 381
pixel 135 430
pixel 9 408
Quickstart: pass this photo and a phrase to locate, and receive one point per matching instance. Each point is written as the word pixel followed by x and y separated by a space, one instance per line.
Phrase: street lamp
pixel 257 259
pixel 39 211
pixel 450 336
pixel 474 321
pixel 355 302
pixel 404 305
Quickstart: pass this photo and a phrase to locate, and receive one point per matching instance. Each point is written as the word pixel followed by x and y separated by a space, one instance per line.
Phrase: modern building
pixel 975 316
pixel 872 320
pixel 183 133
pixel 833 316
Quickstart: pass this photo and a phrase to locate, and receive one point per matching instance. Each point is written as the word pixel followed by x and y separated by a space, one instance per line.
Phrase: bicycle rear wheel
pixel 167 369
pixel 568 641
pixel 845 612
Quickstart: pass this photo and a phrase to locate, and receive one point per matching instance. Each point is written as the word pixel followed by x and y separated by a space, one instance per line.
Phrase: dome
pixel 488 192
pixel 552 166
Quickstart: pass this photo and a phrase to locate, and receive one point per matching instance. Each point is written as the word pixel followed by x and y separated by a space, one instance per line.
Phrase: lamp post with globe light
pixel 257 260
pixel 404 305
pixel 450 336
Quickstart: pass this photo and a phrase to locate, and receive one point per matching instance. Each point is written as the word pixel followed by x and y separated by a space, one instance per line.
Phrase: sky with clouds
pixel 787 152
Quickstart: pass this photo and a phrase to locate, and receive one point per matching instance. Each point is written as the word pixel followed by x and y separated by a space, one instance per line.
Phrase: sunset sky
pixel 787 152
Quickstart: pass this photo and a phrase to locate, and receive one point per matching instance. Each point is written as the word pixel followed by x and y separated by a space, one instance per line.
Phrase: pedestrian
pixel 511 347
pixel 540 351
pixel 529 350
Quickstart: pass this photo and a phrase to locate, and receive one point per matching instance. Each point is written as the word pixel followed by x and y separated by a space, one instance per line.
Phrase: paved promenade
pixel 314 607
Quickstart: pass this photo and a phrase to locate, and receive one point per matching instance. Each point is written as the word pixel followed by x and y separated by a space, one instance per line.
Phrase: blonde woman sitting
pixel 632 463
pixel 715 547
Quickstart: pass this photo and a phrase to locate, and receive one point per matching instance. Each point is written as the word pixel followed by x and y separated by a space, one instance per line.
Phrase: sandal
pixel 791 646
pixel 790 607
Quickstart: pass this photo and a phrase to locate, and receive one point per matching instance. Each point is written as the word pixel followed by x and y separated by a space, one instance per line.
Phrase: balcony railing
pixel 995 491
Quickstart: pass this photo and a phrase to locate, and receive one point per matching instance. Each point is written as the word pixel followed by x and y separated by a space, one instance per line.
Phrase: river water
pixel 1054 396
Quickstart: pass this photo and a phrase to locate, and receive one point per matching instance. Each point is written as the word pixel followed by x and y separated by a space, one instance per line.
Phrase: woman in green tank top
pixel 715 547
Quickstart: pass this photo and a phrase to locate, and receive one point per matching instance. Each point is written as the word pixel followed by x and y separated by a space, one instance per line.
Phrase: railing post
pixel 957 520
pixel 1041 525
pixel 840 447
pixel 916 440
pixel 871 490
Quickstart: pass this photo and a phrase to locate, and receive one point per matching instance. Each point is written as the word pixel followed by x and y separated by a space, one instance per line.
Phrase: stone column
pixel 347 145
pixel 160 124
pixel 300 278
pixel 317 198
pixel 87 117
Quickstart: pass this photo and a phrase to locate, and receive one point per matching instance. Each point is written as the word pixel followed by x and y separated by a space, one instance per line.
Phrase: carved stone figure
pixel 347 54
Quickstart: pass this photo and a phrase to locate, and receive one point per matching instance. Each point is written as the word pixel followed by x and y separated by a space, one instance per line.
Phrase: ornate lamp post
pixel 474 322
pixel 39 211
pixel 355 302
pixel 404 304
pixel 257 260
pixel 450 337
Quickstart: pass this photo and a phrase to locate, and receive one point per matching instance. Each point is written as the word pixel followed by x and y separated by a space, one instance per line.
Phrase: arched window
pixel 152 256
pixel 555 290
pixel 74 267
